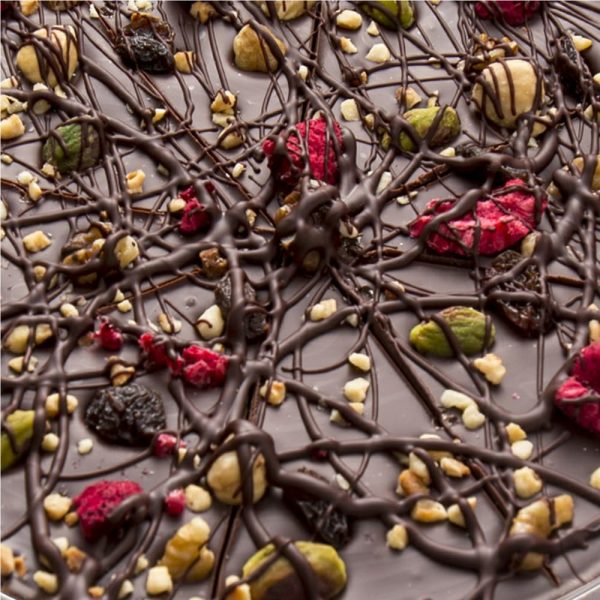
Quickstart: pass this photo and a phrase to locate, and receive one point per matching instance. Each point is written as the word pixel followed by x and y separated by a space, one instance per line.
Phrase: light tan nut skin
pixel 252 51
pixel 61 43
pixel 428 511
pixel 202 11
pixel 494 86
pixel 410 483
pixel 224 478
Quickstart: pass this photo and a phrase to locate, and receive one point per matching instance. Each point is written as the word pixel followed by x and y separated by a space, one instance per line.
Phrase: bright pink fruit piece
pixel 584 382
pixel 109 336
pixel 501 220
pixel 175 502
pixel 317 142
pixel 165 444
pixel 514 12
pixel 97 501
pixel 204 368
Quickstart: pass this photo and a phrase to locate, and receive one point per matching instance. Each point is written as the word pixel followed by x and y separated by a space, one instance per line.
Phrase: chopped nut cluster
pixel 492 368
pixel 323 310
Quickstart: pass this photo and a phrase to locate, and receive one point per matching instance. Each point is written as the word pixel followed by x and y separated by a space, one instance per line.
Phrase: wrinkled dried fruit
pixel 130 414
pixel 255 320
pixel 72 147
pixel 321 517
pixel 146 44
pixel 19 430
pixel 529 318
pixel 510 213
pixel 280 580
pixel 583 383
pixel 569 66
pixel 469 326
pixel 392 14
pixel 445 127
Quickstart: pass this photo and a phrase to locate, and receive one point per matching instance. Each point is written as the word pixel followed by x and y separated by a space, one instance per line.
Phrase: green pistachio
pixel 469 327
pixel 72 147
pixel 20 424
pixel 392 14
pixel 280 580
pixel 422 120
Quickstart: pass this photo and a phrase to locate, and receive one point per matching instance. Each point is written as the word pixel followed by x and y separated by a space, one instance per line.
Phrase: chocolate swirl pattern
pixel 292 240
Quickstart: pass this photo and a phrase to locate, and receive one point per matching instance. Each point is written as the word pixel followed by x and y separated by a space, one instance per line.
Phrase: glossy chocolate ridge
pixel 403 403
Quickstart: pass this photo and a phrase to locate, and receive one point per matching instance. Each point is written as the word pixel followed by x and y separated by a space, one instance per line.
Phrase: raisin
pixel 569 66
pixel 321 517
pixel 129 415
pixel 146 44
pixel 349 249
pixel 527 317
pixel 255 321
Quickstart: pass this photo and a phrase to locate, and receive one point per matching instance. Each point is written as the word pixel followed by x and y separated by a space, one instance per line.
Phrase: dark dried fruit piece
pixel 255 322
pixel 146 44
pixel 130 415
pixel 569 66
pixel 328 523
pixel 527 317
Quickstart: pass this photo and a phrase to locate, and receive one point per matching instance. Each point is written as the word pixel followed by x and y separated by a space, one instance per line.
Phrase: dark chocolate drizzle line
pixel 566 256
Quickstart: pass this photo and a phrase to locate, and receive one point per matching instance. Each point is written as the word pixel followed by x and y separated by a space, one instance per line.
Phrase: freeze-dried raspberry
pixel 175 502
pixel 316 140
pixel 195 216
pixel 109 336
pixel 514 12
pixel 97 501
pixel 203 367
pixel 584 382
pixel 165 444
pixel 498 223
pixel 157 356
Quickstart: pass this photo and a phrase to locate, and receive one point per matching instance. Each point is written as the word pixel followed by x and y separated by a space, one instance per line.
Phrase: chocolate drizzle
pixel 310 357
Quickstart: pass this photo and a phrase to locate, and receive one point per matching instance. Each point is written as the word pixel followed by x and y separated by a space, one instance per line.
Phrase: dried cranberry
pixel 165 444
pixel 109 336
pixel 203 367
pixel 175 502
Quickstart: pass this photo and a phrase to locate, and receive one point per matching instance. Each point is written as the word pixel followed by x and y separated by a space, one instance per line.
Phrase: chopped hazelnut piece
pixel 472 417
pixel 360 361
pixel 595 479
pixel 50 442
pixel 454 468
pixel 17 364
pixel 125 590
pixel 12 127
pixel 428 511
pixel 379 53
pixel 355 390
pixel 410 483
pixel 85 446
pixel 135 181
pixel 527 482
pixel 126 251
pixel 240 592
pixel 454 399
pixel 408 96
pixel 48 582
pixel 57 506
pixel 96 591
pixel 581 43
pixel 346 46
pixel 203 11
pixel 197 499
pixel 71 519
pixel 53 402
pixel 184 61
pixel 159 581
pixel 349 110
pixel 120 373
pixel 397 537
pixel 419 468
pixel 74 558
pixel 323 310
pixel 62 543
pixel 515 433
pixel 492 368
pixel 142 564
pixel 522 449
pixel 372 29
pixel 28 7
pixel 7 560
pixel 455 515
pixel 349 19
pixel 274 391
pixel 68 310
pixel 176 205
pixel 211 323
pixel 36 241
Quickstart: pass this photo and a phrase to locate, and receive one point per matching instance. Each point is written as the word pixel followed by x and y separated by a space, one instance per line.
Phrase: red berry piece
pixel 195 216
pixel 500 221
pixel 514 12
pixel 571 397
pixel 157 356
pixel 175 502
pixel 317 140
pixel 97 501
pixel 203 367
pixel 109 336
pixel 166 444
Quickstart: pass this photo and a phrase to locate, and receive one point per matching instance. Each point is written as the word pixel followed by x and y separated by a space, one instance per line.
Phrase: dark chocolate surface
pixel 441 560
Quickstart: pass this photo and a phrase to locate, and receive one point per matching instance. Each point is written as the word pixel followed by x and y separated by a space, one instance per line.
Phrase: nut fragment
pixel 349 110
pixel 57 42
pixel 203 11
pixel 397 537
pixel 197 499
pixel 96 591
pixel 11 127
pixel 410 483
pixel 522 449
pixel 372 29
pixel 141 564
pixel 7 560
pixel 50 442
pixel 580 42
pixel 74 557
pixel 28 7
pixel 455 515
pixel 126 251
pixel 286 10
pixel 36 241
pixel 349 19
pixel 273 391
pixel 515 433
pixel 472 417
pixel 253 51
pixel 454 399
pixel 419 468
pixel 492 368
pixel 355 390
pixel 48 582
pixel 323 310
pixel 120 373
pixel 454 468
pixel 408 96
pixel 169 324
pixel 213 264
pixel 527 482
pixel 225 478
pixel 18 365
pixel 85 446
pixel 68 310
pixel 57 506
pixel 428 511
pixel 241 591
pixel 125 590
pixel 360 361
pixel 379 53
pixel 595 479
pixel 346 46
pixel 184 61
pixel 135 181
pixel 159 581
pixel 210 323
pixel 53 404
pixel 18 339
